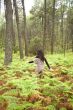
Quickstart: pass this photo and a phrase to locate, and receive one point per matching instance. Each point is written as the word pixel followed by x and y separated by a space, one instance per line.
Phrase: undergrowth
pixel 21 89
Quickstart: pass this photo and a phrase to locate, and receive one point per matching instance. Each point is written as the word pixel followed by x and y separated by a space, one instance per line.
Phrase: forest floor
pixel 20 89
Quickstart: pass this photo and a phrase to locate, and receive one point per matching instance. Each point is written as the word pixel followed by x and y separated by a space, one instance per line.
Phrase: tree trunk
pixel 72 43
pixel 68 27
pixel 0 6
pixel 14 41
pixel 9 32
pixel 72 33
pixel 18 29
pixel 44 34
pixel 25 35
pixel 62 35
pixel 53 26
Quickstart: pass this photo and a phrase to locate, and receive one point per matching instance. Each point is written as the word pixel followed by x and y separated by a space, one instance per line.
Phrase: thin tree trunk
pixel 67 42
pixel 9 32
pixel 0 6
pixel 18 29
pixel 53 26
pixel 72 43
pixel 62 22
pixel 72 34
pixel 25 35
pixel 72 28
pixel 68 31
pixel 44 34
pixel 65 45
pixel 14 40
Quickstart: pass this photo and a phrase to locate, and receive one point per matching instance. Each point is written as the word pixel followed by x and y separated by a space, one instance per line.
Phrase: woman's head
pixel 40 55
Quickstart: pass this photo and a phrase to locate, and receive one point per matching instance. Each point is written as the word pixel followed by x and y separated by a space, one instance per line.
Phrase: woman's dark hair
pixel 40 55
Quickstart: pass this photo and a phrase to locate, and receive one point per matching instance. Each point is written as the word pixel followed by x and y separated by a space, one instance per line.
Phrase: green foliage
pixel 64 70
pixel 24 106
pixel 70 71
pixel 19 83
pixel 35 44
pixel 63 108
pixel 54 86
pixel 59 59
pixel 51 107
pixel 26 86
pixel 71 100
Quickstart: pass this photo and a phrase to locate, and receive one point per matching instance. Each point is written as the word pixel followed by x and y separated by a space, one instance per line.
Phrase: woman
pixel 39 61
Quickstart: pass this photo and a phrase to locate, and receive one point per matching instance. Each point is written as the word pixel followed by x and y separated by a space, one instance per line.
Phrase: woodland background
pixel 49 27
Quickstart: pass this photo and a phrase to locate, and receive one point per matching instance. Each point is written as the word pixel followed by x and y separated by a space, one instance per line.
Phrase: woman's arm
pixel 31 61
pixel 47 63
